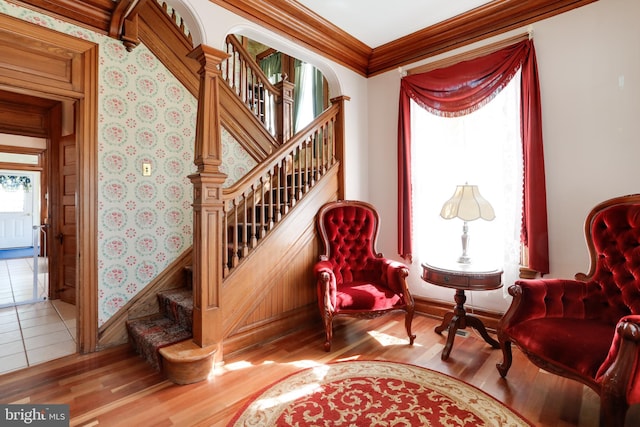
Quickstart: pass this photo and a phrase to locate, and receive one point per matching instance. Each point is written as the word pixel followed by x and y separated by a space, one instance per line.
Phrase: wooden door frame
pixel 44 63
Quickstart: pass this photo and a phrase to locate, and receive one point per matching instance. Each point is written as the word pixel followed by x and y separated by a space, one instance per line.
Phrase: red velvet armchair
pixel 352 279
pixel 587 329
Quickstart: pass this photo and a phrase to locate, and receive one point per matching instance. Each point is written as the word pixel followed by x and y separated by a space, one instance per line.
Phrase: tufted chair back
pixel 349 233
pixel 613 237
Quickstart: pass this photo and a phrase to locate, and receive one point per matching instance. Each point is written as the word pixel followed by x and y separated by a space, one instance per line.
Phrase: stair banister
pixel 208 204
pixel 260 200
pixel 247 79
pixel 284 111
pixel 276 157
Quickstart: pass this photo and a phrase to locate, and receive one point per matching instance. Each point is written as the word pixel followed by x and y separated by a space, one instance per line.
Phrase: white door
pixel 18 192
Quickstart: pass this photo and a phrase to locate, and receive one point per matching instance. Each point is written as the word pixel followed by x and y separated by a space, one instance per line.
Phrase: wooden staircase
pixel 160 337
pixel 265 216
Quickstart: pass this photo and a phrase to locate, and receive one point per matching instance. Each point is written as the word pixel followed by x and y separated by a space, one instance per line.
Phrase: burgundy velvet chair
pixel 587 329
pixel 352 279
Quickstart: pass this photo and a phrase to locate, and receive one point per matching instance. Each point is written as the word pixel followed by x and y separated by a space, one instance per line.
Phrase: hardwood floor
pixel 115 387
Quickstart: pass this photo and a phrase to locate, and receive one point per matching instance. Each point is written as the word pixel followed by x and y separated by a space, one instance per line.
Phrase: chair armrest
pixel 539 298
pixel 326 284
pixel 394 274
pixel 620 372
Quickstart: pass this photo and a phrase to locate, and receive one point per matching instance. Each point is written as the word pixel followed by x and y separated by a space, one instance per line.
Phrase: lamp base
pixel 464 259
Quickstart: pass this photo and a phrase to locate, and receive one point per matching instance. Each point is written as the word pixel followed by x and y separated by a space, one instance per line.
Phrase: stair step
pixel 177 305
pixel 149 335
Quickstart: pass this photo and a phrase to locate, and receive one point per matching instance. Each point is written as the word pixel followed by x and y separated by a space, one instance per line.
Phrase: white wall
pixel 589 68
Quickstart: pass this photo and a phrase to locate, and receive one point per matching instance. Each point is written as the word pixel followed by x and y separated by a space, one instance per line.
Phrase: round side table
pixel 462 277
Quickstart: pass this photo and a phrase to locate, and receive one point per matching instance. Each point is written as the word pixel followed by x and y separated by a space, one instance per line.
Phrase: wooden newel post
pixel 339 142
pixel 284 111
pixel 208 204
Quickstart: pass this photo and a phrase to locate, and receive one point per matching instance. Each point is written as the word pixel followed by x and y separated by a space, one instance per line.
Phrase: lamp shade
pixel 467 204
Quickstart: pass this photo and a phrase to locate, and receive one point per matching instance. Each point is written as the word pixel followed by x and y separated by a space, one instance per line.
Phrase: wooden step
pixel 186 362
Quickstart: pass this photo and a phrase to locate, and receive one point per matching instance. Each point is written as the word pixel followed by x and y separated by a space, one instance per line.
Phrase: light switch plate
pixel 146 169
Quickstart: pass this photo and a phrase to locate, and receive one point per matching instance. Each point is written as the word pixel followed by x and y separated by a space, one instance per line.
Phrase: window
pixel 459 89
pixel 483 148
pixel 12 201
pixel 304 107
pixel 308 94
pixel 12 193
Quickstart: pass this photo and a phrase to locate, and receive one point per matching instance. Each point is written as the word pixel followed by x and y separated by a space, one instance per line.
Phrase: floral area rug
pixel 374 393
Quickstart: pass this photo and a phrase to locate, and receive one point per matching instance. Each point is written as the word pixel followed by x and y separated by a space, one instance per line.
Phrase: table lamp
pixel 468 205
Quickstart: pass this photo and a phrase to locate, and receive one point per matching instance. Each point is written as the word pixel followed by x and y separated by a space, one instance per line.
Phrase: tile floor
pixel 36 332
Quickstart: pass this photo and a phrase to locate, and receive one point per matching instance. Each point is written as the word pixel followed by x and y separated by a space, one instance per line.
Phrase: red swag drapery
pixel 460 89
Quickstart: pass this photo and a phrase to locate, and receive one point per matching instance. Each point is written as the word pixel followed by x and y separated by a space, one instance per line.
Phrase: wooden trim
pixel 87 231
pixel 467 56
pixel 118 16
pixel 20 167
pixel 75 81
pixel 95 14
pixel 341 143
pixel 494 18
pixel 241 295
pixel 22 150
pixel 296 22
pixel 169 44
pixel 300 24
pixel 244 127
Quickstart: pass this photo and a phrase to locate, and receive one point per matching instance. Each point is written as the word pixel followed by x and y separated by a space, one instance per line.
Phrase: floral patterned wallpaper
pixel 145 116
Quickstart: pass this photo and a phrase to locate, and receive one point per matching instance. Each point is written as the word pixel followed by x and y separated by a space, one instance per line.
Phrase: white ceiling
pixel 376 22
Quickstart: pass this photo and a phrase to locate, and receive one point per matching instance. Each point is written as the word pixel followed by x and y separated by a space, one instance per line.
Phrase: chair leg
pixel 328 328
pixel 408 319
pixel 613 410
pixel 507 358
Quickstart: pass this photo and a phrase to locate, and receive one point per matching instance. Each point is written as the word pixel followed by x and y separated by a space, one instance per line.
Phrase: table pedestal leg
pixel 459 319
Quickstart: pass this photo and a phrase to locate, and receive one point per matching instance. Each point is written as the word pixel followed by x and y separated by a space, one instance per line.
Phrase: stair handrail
pixel 262 198
pixel 250 83
pixel 176 19
pixel 276 157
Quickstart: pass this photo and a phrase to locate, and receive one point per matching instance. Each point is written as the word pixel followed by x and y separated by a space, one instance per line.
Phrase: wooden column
pixel 339 142
pixel 284 111
pixel 208 204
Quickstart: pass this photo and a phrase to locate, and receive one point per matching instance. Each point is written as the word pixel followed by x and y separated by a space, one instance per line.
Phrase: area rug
pixel 373 393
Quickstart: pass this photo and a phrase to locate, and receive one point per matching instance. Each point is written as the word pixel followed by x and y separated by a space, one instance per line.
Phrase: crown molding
pixel 491 19
pixel 95 14
pixel 294 21
pixel 298 23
